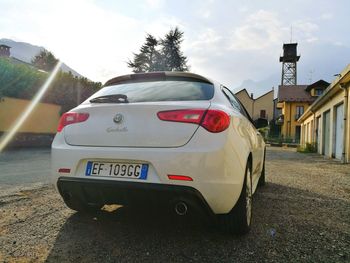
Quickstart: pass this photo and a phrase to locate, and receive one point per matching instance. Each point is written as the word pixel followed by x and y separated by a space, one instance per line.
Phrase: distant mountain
pixel 25 52
pixel 259 88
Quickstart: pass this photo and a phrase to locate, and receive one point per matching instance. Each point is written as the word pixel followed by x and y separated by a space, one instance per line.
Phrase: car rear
pixel 144 138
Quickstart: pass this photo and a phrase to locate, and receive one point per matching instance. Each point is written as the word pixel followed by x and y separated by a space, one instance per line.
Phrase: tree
pixel 23 82
pixel 173 58
pixel 160 55
pixel 148 59
pixel 45 60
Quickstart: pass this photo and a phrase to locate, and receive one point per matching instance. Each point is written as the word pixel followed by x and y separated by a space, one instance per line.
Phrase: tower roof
pixel 290 53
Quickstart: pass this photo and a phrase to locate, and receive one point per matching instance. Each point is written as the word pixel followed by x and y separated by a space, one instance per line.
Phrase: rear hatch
pixel 139 127
pixel 135 124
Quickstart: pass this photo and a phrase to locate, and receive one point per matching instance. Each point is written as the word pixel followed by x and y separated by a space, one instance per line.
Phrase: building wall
pixel 289 110
pixel 254 106
pixel 44 118
pixel 330 105
pixel 264 102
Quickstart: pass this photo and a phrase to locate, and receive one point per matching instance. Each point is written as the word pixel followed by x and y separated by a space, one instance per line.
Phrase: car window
pixel 235 104
pixel 159 91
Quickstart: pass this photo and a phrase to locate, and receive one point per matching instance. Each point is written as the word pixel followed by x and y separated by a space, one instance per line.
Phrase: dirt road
pixel 301 215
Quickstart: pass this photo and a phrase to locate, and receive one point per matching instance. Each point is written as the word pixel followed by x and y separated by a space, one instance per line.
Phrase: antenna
pixel 311 72
pixel 291 34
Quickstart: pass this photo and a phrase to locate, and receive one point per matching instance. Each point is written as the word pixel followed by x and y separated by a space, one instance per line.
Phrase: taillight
pixel 216 121
pixel 189 116
pixel 212 120
pixel 69 118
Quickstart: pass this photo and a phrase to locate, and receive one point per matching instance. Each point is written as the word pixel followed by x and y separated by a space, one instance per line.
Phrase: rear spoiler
pixel 156 76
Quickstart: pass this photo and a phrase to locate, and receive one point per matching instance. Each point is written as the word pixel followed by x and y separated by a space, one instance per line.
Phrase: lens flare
pixel 7 137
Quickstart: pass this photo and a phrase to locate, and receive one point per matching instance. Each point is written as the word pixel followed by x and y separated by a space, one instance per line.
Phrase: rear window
pixel 160 91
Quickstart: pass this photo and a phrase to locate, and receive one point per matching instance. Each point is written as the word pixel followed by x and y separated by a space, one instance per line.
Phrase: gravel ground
pixel 301 215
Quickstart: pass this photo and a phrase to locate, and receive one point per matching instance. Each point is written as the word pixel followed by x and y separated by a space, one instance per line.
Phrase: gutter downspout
pixel 346 99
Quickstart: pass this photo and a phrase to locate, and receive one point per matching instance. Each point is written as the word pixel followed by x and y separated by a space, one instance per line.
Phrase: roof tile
pixel 294 93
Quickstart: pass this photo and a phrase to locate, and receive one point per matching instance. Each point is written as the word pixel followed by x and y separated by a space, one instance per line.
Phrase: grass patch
pixel 308 148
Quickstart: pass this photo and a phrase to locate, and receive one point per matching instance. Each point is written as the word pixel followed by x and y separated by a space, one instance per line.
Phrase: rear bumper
pixel 100 192
pixel 216 164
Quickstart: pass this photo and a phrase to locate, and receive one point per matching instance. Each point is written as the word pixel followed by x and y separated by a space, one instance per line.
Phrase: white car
pixel 170 138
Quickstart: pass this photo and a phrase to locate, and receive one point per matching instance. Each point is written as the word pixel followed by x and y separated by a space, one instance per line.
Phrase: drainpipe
pixel 346 99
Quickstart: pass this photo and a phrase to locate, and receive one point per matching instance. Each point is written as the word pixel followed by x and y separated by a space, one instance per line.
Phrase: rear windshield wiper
pixel 114 98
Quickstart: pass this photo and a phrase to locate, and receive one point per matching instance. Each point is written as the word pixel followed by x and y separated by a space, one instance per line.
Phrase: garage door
pixel 326 133
pixel 339 131
pixel 318 134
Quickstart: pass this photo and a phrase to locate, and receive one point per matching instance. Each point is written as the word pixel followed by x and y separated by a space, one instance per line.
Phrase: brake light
pixel 179 177
pixel 69 118
pixel 216 121
pixel 188 116
pixel 212 120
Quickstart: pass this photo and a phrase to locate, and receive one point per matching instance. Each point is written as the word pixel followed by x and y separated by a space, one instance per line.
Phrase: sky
pixel 233 42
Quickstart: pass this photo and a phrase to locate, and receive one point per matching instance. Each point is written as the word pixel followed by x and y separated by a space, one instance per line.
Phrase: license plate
pixel 121 170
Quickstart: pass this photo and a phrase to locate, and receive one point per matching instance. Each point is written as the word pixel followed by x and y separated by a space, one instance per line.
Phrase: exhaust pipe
pixel 181 208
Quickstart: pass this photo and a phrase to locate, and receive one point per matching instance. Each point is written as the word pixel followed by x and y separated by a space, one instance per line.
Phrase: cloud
pixel 204 10
pixel 326 16
pixel 305 31
pixel 258 31
pixel 162 24
pixel 204 50
pixel 156 4
pixel 84 35
pixel 93 40
pixel 264 29
pixel 229 42
pixel 207 40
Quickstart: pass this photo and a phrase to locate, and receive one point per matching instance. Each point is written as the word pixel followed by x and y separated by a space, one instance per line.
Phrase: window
pixel 159 91
pixel 318 92
pixel 235 104
pixel 263 114
pixel 299 112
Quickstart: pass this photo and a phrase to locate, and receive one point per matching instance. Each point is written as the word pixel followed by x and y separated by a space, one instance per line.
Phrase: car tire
pixel 238 220
pixel 262 179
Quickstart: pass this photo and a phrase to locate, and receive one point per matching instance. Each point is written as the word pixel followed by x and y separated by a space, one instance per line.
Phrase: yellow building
pixel 326 123
pixel 37 130
pixel 293 101
pixel 43 119
pixel 259 108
